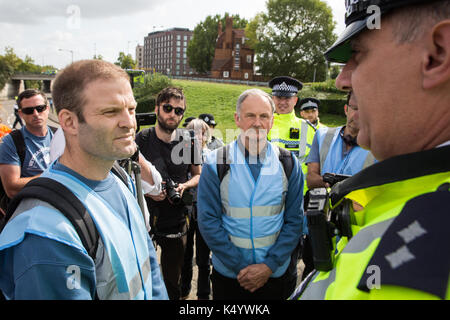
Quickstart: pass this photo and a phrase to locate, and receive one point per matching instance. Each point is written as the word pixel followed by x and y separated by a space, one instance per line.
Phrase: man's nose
pixel 128 119
pixel 343 81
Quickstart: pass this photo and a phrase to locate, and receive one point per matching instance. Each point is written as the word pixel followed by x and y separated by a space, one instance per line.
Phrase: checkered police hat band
pixel 285 87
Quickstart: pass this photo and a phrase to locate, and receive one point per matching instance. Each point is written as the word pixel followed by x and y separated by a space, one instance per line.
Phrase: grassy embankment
pixel 220 100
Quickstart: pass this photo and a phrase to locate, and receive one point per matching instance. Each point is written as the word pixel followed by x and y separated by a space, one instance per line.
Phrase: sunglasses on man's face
pixel 30 110
pixel 168 109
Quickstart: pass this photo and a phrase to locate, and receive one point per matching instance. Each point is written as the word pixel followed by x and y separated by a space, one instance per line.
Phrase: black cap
pixel 285 86
pixel 208 118
pixel 309 103
pixel 187 120
pixel 357 17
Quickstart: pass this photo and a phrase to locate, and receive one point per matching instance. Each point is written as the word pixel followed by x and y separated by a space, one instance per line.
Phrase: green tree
pixel 6 71
pixel 125 61
pixel 145 94
pixel 10 63
pixel 201 48
pixel 291 37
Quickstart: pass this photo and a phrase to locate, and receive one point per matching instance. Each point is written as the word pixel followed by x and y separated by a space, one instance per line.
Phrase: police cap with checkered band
pixel 357 18
pixel 285 86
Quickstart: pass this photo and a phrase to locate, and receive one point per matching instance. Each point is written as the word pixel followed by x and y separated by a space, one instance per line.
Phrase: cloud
pixel 30 12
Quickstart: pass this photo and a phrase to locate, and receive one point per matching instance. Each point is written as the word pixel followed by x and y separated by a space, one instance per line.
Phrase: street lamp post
pixel 71 51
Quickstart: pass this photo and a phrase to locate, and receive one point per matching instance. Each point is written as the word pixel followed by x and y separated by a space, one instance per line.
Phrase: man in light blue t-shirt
pixel 15 174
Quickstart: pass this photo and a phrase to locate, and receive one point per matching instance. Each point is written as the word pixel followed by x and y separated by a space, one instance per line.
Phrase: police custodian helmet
pixel 356 20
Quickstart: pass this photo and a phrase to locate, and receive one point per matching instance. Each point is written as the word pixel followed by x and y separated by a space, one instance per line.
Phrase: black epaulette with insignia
pixel 414 252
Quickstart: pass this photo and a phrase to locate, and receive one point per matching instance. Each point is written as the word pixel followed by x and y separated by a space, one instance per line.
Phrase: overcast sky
pixel 39 28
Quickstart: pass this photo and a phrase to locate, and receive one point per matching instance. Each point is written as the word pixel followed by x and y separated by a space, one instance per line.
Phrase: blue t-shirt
pixel 37 152
pixel 36 268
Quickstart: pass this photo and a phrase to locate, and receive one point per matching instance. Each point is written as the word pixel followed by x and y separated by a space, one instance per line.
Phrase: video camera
pixel 332 178
pixel 326 222
pixel 145 119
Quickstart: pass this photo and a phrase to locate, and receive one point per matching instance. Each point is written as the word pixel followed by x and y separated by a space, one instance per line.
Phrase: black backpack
pixel 60 197
pixel 223 166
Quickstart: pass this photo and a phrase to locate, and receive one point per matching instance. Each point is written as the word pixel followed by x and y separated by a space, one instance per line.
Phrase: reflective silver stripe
pixel 366 236
pixel 241 213
pixel 224 192
pixel 318 290
pixel 303 140
pixel 135 285
pixel 326 144
pixel 370 160
pixel 106 279
pixel 360 242
pixel 262 242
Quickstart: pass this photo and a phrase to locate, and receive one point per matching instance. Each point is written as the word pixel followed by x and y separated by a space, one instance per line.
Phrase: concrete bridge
pixel 16 83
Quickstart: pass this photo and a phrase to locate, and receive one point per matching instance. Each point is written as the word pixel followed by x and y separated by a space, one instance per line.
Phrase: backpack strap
pixel 286 160
pixel 60 197
pixel 19 142
pixel 223 162
pixel 120 173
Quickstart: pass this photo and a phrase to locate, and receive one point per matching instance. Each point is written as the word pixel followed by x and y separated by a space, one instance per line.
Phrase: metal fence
pixel 243 82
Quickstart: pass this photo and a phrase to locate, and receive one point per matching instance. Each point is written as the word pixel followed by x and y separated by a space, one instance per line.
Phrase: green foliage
pixel 5 72
pixel 332 106
pixel 201 48
pixel 125 61
pixel 291 37
pixel 10 63
pixel 326 86
pixel 145 95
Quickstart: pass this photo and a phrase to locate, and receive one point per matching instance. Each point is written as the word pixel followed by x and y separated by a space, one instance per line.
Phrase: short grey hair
pixel 413 21
pixel 255 92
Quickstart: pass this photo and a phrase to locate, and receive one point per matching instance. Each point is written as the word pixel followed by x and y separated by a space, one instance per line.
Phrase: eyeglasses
pixel 30 110
pixel 168 109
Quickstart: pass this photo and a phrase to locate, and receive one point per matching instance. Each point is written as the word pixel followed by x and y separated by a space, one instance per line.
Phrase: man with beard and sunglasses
pixel 36 135
pixel 172 152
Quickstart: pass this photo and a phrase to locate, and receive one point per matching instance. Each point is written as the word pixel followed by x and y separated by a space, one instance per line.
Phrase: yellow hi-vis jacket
pixel 400 243
pixel 293 134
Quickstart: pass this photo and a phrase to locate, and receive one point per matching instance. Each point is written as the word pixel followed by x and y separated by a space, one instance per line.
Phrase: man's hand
pixel 181 188
pixel 254 276
pixel 159 197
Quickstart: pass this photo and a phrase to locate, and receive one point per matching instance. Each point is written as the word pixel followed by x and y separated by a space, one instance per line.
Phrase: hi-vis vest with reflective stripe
pixel 253 211
pixel 280 134
pixel 125 271
pixel 388 192
pixel 331 154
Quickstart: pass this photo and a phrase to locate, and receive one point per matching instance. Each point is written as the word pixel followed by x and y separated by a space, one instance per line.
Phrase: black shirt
pixel 172 160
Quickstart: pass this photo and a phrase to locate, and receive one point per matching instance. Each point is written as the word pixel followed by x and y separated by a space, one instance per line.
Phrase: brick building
pixel 233 59
pixel 139 56
pixel 165 52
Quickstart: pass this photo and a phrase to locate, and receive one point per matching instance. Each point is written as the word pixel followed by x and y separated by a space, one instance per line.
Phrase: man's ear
pixel 236 119
pixel 436 60
pixel 68 121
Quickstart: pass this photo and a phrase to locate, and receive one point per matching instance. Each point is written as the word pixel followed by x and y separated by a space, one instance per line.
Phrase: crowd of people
pixel 243 206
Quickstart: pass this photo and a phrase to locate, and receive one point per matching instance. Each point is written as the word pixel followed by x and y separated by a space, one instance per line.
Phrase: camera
pixel 145 119
pixel 174 196
pixel 332 178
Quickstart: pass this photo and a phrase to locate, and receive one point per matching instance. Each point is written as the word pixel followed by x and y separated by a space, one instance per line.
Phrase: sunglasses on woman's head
pixel 30 110
pixel 168 109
